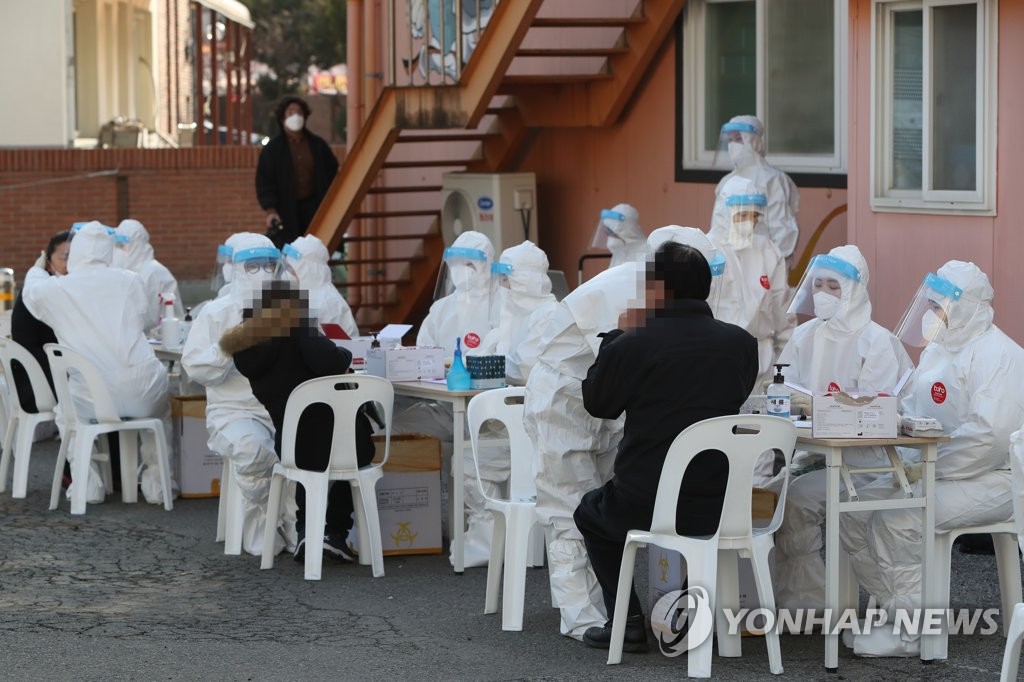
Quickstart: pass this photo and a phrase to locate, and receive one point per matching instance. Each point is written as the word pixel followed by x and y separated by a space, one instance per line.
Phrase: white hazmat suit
pixel 524 269
pixel 755 292
pixel 745 135
pixel 840 349
pixel 969 378
pixel 307 257
pixel 135 253
pixel 102 312
pixel 240 428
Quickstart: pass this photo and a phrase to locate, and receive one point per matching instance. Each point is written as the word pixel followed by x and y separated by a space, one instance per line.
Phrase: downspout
pixel 354 109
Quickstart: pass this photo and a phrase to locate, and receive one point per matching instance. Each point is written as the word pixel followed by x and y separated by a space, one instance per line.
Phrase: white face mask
pixel 614 243
pixel 462 277
pixel 294 122
pixel 741 234
pixel 120 258
pixel 932 325
pixel 826 306
pixel 741 155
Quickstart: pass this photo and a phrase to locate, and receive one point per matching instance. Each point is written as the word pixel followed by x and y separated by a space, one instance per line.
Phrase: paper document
pixel 798 387
pixel 394 331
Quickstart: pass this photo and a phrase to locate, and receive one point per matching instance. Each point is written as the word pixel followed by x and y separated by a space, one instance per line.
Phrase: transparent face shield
pixel 745 211
pixel 731 144
pixel 502 272
pixel 290 257
pixel 121 244
pixel 926 318
pixel 261 263
pixel 604 230
pixel 460 270
pixel 717 265
pixel 821 288
pixel 218 280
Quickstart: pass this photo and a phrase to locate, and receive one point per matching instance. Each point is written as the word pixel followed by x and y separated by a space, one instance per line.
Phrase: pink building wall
pixel 902 247
pixel 581 171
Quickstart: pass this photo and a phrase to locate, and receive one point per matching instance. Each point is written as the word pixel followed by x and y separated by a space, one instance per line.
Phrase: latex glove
pixel 913 471
pixel 41 261
pixel 800 402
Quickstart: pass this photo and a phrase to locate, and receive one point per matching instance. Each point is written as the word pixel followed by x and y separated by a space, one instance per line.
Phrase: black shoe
pixel 634 641
pixel 336 547
pixel 300 548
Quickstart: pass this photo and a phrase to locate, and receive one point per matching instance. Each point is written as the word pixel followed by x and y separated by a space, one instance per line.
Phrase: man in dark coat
pixel 276 348
pixel 673 366
pixel 293 174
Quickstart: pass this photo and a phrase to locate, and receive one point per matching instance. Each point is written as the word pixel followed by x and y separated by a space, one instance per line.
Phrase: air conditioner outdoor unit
pixel 503 206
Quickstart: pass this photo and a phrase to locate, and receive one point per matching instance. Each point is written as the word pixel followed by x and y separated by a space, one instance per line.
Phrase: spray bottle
pixel 458 378
pixel 778 395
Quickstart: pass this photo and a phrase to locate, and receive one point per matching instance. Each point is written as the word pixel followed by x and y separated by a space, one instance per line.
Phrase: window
pixel 934 97
pixel 782 60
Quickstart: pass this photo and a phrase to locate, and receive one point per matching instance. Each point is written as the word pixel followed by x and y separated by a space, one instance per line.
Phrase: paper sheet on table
pixel 394 331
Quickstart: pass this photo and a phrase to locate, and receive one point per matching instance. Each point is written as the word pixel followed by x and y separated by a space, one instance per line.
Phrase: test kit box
pixel 198 469
pixel 666 569
pixel 406 363
pixel 409 495
pixel 358 346
pixel 838 415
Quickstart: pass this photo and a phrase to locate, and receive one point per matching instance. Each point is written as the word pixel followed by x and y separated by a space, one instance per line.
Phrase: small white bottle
pixel 777 395
pixel 170 327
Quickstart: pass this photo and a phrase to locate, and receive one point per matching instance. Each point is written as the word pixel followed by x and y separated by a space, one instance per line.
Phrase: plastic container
pixel 458 378
pixel 778 395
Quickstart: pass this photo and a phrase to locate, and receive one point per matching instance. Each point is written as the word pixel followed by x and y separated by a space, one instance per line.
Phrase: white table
pixel 832 449
pixel 458 400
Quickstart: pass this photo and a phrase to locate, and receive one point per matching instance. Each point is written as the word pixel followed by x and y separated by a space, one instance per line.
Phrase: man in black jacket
pixel 293 174
pixel 676 366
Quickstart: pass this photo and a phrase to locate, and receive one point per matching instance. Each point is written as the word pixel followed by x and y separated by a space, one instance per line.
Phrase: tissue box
pixel 838 415
pixel 358 346
pixel 486 371
pixel 410 363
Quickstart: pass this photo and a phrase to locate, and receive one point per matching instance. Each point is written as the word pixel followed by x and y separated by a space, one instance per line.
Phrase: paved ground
pixel 134 592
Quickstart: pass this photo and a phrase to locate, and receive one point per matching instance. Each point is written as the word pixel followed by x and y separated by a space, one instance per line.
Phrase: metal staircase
pixel 536 64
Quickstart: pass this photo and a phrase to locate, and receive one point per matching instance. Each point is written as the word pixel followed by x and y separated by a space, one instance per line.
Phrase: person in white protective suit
pixel 618 230
pixel 102 313
pixel 468 312
pixel 239 426
pixel 575 451
pixel 524 286
pixel 306 258
pixel 840 349
pixel 755 293
pixel 134 252
pixel 744 136
pixel 969 379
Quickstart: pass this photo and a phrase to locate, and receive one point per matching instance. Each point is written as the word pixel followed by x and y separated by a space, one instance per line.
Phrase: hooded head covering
pixel 235 241
pixel 310 265
pixel 93 244
pixel 245 286
pixel 749 151
pixel 971 315
pixel 739 192
pixel 473 279
pixel 137 251
pixel 854 303
pixel 626 241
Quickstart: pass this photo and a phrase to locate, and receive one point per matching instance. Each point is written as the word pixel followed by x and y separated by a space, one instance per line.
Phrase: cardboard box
pixel 409 363
pixel 666 569
pixel 358 346
pixel 839 415
pixel 198 468
pixel 409 495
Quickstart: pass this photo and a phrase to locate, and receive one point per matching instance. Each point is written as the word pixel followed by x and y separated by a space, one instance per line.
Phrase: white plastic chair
pixel 21 425
pixel 1004 538
pixel 344 394
pixel 1015 631
pixel 230 514
pixel 80 433
pixel 711 561
pixel 514 518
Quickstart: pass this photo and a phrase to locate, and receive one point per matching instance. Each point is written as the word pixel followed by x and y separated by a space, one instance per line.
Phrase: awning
pixel 232 10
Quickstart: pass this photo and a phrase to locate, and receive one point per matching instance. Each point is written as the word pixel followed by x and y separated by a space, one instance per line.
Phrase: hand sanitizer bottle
pixel 458 378
pixel 170 327
pixel 778 395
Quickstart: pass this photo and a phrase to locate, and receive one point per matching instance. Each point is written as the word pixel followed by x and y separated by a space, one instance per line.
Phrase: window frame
pixel 980 201
pixel 695 164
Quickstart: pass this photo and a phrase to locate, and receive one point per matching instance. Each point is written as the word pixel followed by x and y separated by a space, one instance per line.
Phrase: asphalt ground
pixel 132 592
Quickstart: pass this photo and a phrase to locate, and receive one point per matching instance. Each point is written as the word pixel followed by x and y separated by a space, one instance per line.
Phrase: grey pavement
pixel 132 592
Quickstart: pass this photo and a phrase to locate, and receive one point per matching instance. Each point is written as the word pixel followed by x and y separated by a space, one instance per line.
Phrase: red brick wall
pixel 190 200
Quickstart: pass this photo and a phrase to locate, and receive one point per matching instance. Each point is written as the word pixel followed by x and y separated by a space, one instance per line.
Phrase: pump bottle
pixel 778 395
pixel 458 378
